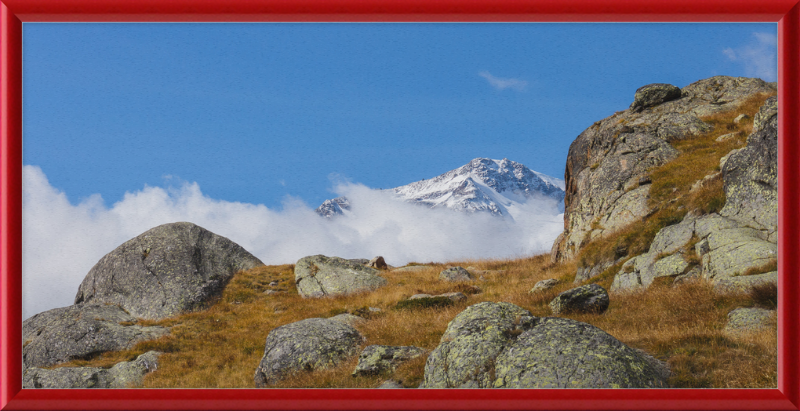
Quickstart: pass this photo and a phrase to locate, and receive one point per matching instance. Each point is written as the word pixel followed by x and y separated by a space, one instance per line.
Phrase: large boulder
pixel 500 345
pixel 80 332
pixel 653 95
pixel 305 345
pixel 608 163
pixel 320 276
pixel 167 270
pixel 590 298
pixel 126 374
pixel 378 359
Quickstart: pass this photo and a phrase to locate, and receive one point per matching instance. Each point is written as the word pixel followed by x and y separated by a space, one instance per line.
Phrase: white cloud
pixel 62 241
pixel 759 56
pixel 504 83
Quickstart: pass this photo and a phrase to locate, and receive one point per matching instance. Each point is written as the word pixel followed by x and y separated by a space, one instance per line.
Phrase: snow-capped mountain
pixel 482 185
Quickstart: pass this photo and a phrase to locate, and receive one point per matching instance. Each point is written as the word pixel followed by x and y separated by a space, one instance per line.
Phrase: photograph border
pixel 14 12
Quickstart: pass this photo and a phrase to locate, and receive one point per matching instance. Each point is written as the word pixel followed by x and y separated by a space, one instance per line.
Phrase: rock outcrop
pixel 500 345
pixel 167 270
pixel 743 236
pixel 320 276
pixel 378 359
pixel 126 374
pixel 80 332
pixel 543 285
pixel 607 185
pixel 305 345
pixel 590 298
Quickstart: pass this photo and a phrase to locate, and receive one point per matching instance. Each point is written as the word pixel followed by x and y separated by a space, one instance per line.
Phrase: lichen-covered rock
pixel 733 251
pixel 751 175
pixel 122 375
pixel 500 345
pixel 167 270
pixel 544 285
pixel 744 283
pixel 305 345
pixel 585 273
pixel 607 162
pixel 377 359
pixel 456 274
pixel 321 276
pixel 748 320
pixel 378 263
pixel 590 298
pixel 653 95
pixel 691 276
pixel 80 331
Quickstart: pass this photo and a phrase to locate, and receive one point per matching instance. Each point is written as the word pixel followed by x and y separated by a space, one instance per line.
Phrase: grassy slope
pixel 221 347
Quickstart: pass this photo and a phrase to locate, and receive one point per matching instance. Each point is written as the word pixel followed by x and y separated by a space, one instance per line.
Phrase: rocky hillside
pixel 650 182
pixel 482 185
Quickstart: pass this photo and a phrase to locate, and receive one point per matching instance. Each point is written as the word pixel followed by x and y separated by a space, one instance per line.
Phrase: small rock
pixel 377 359
pixel 725 137
pixel 747 320
pixel 590 298
pixel 374 309
pixel 378 263
pixel 391 384
pixel 273 283
pixel 412 268
pixel 455 274
pixel 454 297
pixel 740 117
pixel 543 285
pixel 743 283
pixel 273 292
pixel 320 276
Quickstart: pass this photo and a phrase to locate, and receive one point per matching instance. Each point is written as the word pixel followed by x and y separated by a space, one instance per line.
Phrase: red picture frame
pixel 13 12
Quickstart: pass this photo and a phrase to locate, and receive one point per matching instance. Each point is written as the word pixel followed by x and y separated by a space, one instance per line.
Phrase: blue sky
pixel 244 129
pixel 255 112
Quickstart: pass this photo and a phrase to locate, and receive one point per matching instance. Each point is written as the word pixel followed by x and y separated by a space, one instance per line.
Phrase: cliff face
pixel 608 165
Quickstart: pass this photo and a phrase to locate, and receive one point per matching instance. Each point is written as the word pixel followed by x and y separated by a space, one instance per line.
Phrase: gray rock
pixel 455 274
pixel 590 298
pixel 379 359
pixel 743 284
pixel 306 345
pixel 165 271
pixel 391 384
pixel 725 137
pixel 607 160
pixel 79 332
pixel 349 319
pixel 586 273
pixel 733 251
pixel 500 345
pixel 653 95
pixel 122 375
pixel 454 296
pixel 320 276
pixel 359 261
pixel 751 174
pixel 748 320
pixel 543 285
pixel 377 263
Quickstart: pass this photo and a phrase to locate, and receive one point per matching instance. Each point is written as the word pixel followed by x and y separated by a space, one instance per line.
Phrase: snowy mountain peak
pixel 486 185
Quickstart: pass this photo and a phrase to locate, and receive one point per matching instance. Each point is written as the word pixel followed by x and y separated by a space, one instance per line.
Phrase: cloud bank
pixel 504 83
pixel 62 241
pixel 759 57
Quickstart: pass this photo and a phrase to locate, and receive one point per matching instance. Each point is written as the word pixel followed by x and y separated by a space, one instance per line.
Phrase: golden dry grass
pixel 221 347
